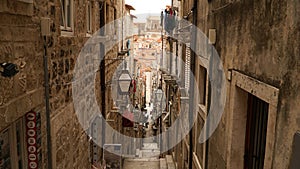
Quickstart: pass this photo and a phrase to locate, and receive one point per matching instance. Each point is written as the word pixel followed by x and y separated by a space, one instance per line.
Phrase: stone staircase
pixel 148 156
pixel 148 150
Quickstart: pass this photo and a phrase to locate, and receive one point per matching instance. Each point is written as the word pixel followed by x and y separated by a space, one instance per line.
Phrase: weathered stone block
pixel 23 34
pixel 3 122
pixel 10 114
pixel 20 8
pixel 6 33
pixel 22 50
pixel 37 98
pixel 3 6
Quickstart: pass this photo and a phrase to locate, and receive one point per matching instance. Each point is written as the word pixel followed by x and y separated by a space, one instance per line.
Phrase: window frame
pixel 89 17
pixel 202 84
pixel 64 16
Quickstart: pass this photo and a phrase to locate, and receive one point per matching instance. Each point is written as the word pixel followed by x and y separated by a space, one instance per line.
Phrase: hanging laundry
pixel 170 19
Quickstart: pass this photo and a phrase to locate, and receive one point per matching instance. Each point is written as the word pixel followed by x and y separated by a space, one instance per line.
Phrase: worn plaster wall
pixel 260 40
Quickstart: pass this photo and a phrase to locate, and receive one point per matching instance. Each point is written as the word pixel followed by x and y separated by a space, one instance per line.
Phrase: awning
pixel 129 7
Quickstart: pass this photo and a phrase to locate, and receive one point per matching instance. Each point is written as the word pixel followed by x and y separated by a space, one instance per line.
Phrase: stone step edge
pixel 163 163
pixel 170 162
pixel 143 159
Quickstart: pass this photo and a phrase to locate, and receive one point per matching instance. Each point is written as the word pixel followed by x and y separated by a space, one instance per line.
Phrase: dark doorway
pixel 256 131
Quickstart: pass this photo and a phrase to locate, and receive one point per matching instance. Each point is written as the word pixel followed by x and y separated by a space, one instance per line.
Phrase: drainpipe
pixel 171 57
pixel 208 106
pixel 48 122
pixel 162 38
pixel 192 66
pixel 102 67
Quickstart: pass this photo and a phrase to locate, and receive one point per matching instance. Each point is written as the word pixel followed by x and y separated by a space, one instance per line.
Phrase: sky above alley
pixel 147 6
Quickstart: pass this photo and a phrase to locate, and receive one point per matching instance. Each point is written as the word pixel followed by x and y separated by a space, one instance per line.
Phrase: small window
pixel 66 20
pixel 202 84
pixel 89 17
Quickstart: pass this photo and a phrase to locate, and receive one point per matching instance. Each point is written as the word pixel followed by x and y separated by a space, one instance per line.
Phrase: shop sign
pixel 31 136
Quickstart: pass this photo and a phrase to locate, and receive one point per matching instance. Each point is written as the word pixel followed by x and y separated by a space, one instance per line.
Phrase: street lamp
pixel 158 99
pixel 159 95
pixel 124 82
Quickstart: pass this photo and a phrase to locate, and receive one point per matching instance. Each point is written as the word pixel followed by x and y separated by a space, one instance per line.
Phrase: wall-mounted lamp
pixel 9 69
pixel 124 82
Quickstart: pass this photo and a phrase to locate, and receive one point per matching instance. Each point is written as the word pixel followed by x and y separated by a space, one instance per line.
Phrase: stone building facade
pixel 72 22
pixel 254 40
pixel 22 44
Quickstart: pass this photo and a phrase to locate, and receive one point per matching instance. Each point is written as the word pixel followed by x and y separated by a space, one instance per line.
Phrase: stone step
pixel 149 146
pixel 148 163
pixel 150 150
pixel 170 162
pixel 142 159
pixel 148 140
pixel 163 163
pixel 149 153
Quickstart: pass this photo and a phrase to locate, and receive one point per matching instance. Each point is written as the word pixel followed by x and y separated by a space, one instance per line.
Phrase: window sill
pixel 26 1
pixel 66 33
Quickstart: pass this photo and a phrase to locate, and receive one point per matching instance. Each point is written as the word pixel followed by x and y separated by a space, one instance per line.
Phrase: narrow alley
pixel 149 84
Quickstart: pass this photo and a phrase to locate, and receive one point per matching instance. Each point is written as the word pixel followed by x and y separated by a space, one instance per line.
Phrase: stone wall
pixel 21 43
pixel 70 146
pixel 256 38
pixel 70 142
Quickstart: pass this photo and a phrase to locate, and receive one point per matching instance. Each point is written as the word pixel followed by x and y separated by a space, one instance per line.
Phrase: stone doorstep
pixel 141 164
pixel 152 159
pixel 148 140
pixel 150 153
pixel 163 163
pixel 147 146
pixel 170 162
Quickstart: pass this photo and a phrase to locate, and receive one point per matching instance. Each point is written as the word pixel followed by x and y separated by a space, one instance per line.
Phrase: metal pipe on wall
pixel 208 107
pixel 102 12
pixel 47 104
pixel 191 92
